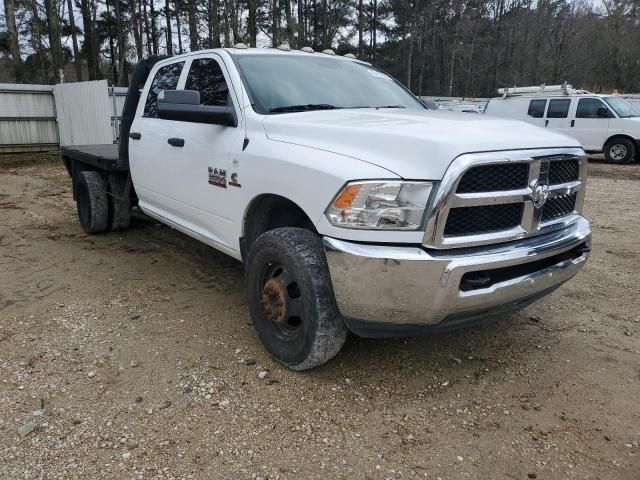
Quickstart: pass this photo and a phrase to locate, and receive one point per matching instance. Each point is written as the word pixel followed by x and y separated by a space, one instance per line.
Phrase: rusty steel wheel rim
pixel 281 300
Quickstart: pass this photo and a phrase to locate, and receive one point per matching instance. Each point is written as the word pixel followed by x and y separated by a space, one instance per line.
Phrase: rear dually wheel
pixel 91 200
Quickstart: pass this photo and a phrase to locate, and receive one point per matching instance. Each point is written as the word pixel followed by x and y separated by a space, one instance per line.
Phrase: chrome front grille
pixel 482 219
pixel 489 178
pixel 559 206
pixel 496 197
pixel 563 171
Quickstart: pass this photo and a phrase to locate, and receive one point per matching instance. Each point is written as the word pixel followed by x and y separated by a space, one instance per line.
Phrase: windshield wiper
pixel 391 106
pixel 303 108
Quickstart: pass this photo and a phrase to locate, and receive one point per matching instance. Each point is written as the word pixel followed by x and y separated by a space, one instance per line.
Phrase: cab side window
pixel 588 108
pixel 166 79
pixel 205 76
pixel 558 108
pixel 536 108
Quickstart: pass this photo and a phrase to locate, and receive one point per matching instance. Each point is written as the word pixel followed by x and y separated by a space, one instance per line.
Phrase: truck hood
pixel 413 144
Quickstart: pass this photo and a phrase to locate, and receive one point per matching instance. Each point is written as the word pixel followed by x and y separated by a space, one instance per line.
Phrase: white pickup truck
pixel 352 206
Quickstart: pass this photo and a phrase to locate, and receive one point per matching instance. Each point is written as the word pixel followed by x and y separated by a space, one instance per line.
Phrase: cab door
pixel 557 116
pixel 155 170
pixel 208 181
pixel 591 123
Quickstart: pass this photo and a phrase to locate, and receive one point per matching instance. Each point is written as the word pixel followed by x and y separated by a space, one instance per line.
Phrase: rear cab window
pixel 536 108
pixel 166 78
pixel 558 108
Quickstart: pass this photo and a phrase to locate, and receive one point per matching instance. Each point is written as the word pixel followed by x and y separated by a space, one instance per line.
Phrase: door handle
pixel 573 122
pixel 546 122
pixel 135 135
pixel 176 142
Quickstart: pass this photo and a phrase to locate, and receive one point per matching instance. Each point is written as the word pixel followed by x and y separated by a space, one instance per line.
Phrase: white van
pixel 601 123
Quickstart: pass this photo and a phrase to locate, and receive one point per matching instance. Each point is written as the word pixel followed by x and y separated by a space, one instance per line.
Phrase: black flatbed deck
pixel 104 157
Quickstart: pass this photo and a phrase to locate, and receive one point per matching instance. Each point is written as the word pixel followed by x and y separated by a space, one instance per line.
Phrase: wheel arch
pixel 269 211
pixel 618 135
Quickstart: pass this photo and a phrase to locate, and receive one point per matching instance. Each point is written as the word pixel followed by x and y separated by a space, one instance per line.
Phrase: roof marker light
pixel 284 47
pixel 307 49
pixel 350 55
pixel 328 51
pixel 240 45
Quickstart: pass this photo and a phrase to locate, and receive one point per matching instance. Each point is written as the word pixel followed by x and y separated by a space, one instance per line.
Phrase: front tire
pixel 619 151
pixel 291 300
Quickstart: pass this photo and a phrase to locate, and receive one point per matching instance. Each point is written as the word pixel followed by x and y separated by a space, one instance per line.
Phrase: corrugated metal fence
pixel 36 118
pixel 27 118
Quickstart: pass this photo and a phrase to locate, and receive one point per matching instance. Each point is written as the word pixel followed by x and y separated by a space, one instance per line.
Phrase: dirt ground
pixel 131 356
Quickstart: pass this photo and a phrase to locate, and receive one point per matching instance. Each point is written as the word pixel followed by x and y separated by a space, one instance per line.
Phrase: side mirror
pixel 428 103
pixel 603 112
pixel 184 106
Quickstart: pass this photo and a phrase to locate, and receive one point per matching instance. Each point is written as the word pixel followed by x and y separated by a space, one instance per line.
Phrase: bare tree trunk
pixel 122 45
pixel 36 36
pixel 115 77
pixel 227 29
pixel 360 28
pixel 423 60
pixel 275 23
pixel 90 44
pixel 14 46
pixel 233 13
pixel 409 58
pixel 193 26
pixel 74 37
pixel 167 16
pixel 53 24
pixel 214 24
pixel 135 26
pixel 287 13
pixel 374 31
pixel 179 25
pixel 147 30
pixel 324 24
pixel 301 36
pixel 452 69
pixel 154 28
pixel 316 38
pixel 252 27
pixel 496 54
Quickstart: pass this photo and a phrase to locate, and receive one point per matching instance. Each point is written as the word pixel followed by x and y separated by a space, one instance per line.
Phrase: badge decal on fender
pixel 217 177
pixel 234 181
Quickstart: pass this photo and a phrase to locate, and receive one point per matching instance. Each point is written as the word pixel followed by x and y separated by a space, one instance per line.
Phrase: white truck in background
pixel 352 206
pixel 601 123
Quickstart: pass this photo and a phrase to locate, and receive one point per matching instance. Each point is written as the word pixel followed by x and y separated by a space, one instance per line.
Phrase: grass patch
pixel 18 160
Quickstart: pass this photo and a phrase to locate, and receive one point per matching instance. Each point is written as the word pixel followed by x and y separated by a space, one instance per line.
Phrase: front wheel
pixel 619 150
pixel 291 300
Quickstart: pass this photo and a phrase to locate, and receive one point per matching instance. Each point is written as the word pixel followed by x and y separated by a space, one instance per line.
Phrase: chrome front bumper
pixel 410 286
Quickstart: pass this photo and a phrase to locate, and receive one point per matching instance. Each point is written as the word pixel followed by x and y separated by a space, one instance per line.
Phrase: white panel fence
pixel 36 118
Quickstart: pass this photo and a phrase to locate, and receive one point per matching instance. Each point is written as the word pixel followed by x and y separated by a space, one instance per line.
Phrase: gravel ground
pixel 131 356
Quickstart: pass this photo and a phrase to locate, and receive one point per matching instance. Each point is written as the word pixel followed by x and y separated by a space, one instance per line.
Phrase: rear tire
pixel 119 202
pixel 619 151
pixel 91 201
pixel 291 300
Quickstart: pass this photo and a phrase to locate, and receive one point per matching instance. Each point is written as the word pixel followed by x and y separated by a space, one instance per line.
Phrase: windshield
pixel 294 83
pixel 623 108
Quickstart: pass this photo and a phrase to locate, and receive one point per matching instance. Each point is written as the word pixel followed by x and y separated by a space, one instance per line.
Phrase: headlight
pixel 376 205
